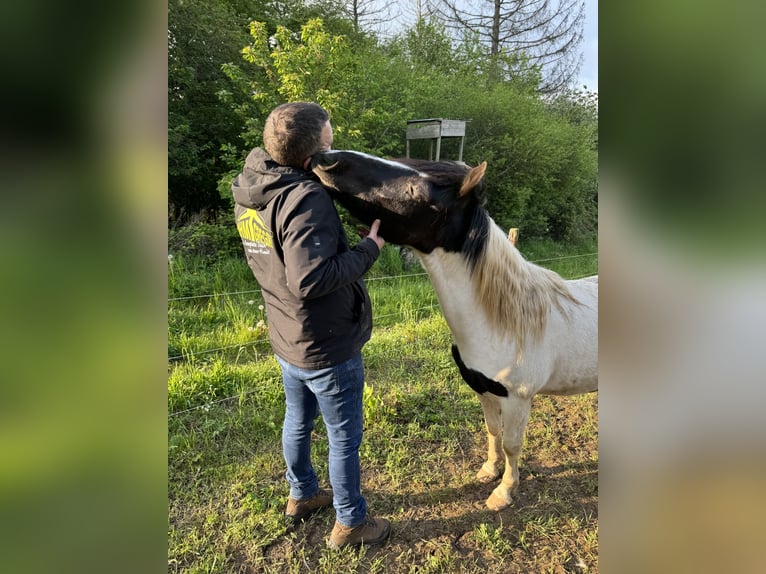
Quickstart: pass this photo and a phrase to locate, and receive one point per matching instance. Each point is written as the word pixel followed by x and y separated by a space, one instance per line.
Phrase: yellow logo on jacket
pixel 251 227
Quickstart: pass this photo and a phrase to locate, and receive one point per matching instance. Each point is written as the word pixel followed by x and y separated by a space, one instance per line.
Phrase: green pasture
pixel 424 440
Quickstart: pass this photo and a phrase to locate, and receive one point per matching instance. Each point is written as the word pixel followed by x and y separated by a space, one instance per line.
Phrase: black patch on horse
pixel 475 242
pixel 476 380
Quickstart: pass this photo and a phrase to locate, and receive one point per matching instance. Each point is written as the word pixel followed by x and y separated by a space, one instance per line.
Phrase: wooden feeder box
pixel 435 129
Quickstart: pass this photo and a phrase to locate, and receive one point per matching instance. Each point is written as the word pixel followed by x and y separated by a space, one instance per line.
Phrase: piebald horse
pixel 518 329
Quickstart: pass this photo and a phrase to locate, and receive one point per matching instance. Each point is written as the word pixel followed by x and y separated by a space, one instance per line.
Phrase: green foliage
pixel 202 35
pixel 542 165
pixel 427 46
pixel 190 276
pixel 542 153
pixel 491 538
pixel 208 240
pixel 348 79
pixel 389 262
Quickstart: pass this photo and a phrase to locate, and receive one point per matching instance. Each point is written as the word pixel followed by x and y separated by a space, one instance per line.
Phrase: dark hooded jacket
pixel 318 308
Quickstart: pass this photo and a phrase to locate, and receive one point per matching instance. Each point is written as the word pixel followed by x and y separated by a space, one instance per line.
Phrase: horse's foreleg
pixel 492 468
pixel 515 415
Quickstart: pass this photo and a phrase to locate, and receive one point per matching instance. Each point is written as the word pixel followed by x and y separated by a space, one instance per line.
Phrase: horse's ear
pixel 473 178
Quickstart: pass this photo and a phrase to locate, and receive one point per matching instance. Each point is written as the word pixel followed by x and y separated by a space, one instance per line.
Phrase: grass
pixel 424 440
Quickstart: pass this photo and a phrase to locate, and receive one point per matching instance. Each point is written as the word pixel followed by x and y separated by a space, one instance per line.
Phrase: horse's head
pixel 423 204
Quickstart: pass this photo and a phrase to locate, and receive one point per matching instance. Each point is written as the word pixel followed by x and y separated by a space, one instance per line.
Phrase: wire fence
pixel 190 354
pixel 208 351
pixel 207 405
pixel 213 295
pixel 242 345
pixel 368 279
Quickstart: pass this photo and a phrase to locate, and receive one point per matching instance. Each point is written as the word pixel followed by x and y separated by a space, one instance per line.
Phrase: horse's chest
pixel 487 368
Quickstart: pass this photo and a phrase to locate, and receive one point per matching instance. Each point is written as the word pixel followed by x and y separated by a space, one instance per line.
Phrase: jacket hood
pixel 262 179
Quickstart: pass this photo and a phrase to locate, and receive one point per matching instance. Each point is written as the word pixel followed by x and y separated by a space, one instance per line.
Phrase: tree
pixel 544 33
pixel 427 45
pixel 350 77
pixel 202 35
pixel 541 151
pixel 368 14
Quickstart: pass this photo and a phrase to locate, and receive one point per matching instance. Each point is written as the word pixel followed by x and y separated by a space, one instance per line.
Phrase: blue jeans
pixel 336 392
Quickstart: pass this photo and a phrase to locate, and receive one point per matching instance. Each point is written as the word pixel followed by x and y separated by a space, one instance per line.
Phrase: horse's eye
pixel 328 167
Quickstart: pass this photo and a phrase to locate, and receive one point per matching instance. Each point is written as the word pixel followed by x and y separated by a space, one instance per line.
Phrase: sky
pixel 589 46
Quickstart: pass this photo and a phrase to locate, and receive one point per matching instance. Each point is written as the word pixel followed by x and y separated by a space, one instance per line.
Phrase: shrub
pixel 209 240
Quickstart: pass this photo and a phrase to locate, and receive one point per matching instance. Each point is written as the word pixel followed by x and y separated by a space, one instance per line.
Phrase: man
pixel 318 309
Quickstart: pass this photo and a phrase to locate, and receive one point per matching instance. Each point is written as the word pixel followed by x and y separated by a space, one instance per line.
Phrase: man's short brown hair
pixel 293 132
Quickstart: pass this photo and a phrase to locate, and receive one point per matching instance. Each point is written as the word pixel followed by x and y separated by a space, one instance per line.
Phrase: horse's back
pixel 590 282
pixel 585 291
pixel 574 335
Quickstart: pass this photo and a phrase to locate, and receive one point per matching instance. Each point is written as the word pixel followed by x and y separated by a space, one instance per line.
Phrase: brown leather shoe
pixel 300 510
pixel 371 531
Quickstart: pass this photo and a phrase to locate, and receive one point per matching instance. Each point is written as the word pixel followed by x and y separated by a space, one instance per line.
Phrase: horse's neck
pixel 447 268
pixel 454 282
pixel 451 278
pixel 502 294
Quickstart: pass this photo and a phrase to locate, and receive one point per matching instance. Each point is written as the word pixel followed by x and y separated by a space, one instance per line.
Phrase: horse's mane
pixel 443 172
pixel 517 295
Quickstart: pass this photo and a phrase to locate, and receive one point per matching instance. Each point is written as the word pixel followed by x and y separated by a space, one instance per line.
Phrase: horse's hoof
pixel 486 477
pixel 496 503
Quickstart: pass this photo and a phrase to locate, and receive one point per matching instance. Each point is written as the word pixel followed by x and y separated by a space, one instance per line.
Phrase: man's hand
pixel 373 234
